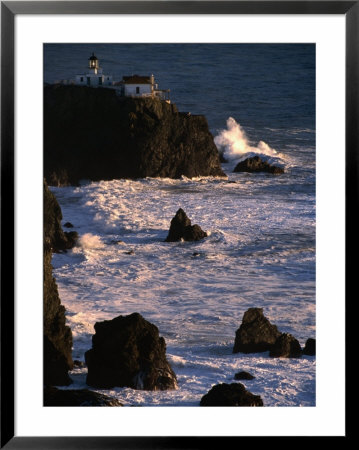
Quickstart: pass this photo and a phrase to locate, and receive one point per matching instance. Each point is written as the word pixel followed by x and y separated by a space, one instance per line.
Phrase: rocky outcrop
pixel 286 346
pixel 309 348
pixel 76 397
pixel 256 164
pixel 181 228
pixel 234 394
pixel 243 375
pixel 128 351
pixel 57 336
pixel 94 134
pixel 256 333
pixel 55 239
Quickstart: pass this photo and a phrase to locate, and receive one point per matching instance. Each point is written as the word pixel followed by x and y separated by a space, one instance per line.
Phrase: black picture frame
pixel 9 9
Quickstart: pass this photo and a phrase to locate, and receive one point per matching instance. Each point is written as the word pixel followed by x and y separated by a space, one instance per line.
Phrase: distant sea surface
pixel 259 99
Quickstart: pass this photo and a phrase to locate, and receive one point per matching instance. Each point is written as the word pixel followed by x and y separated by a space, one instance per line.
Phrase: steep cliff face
pixel 57 336
pixel 94 134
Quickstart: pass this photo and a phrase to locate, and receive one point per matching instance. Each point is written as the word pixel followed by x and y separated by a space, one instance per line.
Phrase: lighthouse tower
pixel 94 65
pixel 94 76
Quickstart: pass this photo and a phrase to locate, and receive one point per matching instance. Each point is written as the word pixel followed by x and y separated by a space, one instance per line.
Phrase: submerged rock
pixel 94 134
pixel 309 348
pixel 128 351
pixel 76 397
pixel 181 228
pixel 243 376
pixel 256 164
pixel 256 333
pixel 286 346
pixel 234 394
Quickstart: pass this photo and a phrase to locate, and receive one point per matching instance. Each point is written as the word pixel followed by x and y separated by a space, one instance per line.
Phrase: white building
pixel 129 86
pixel 94 76
pixel 142 86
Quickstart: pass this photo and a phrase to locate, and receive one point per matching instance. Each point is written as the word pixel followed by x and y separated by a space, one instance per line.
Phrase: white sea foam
pixel 234 144
pixel 89 241
pixel 260 252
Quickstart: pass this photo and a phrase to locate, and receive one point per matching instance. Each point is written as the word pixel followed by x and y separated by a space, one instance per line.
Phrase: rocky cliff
pixel 57 335
pixel 94 134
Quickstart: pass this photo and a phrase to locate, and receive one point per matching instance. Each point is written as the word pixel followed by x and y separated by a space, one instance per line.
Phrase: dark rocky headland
pixel 93 134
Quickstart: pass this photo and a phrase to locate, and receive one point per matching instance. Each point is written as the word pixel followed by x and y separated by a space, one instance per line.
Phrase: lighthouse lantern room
pixel 94 76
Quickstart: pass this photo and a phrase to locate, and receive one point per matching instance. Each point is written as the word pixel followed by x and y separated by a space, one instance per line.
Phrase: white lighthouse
pixel 94 76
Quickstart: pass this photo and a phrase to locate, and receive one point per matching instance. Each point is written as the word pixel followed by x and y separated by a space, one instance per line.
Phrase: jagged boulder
pixel 181 228
pixel 57 335
pixel 94 134
pixel 256 333
pixel 309 348
pixel 286 346
pixel 128 351
pixel 76 397
pixel 234 394
pixel 55 239
pixel 243 375
pixel 256 164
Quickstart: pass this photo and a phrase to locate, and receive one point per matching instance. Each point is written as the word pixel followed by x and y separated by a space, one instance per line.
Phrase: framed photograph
pixel 173 232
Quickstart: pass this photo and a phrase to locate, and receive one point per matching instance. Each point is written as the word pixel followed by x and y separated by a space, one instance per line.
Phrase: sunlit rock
pixel 256 164
pixel 128 351
pixel 256 333
pixel 181 228
pixel 286 346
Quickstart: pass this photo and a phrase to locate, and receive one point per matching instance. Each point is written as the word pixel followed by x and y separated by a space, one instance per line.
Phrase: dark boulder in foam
pixel 181 228
pixel 286 346
pixel 243 375
pixel 76 397
pixel 256 164
pixel 309 348
pixel 127 351
pixel 234 394
pixel 256 333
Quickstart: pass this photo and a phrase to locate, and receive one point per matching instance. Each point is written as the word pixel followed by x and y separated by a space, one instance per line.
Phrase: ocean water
pixel 260 252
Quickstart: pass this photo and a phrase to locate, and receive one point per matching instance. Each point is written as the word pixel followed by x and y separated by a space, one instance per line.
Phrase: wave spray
pixel 233 143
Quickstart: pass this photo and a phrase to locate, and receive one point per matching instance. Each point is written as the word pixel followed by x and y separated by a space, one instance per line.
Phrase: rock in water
pixel 234 394
pixel 286 346
pixel 256 333
pixel 243 375
pixel 309 348
pixel 256 164
pixel 76 397
pixel 55 239
pixel 181 228
pixel 94 134
pixel 128 351
pixel 57 336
